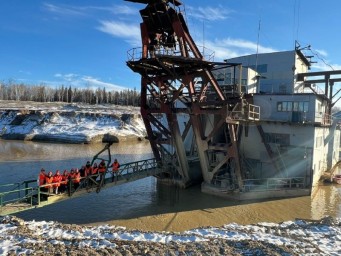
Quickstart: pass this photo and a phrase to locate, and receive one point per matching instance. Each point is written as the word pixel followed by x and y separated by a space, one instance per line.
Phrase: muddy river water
pixel 146 204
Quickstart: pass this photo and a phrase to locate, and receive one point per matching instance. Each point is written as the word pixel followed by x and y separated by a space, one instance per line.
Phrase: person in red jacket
pixel 41 178
pixel 88 173
pixel 41 182
pixel 48 182
pixel 115 166
pixel 102 167
pixel 71 180
pixel 57 178
pixel 88 169
pixel 101 171
pixel 76 179
pixel 63 184
pixel 94 171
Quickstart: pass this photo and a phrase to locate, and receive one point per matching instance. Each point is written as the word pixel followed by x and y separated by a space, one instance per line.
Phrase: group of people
pixel 59 183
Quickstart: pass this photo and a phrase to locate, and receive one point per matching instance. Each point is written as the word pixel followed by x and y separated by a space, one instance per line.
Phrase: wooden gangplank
pixel 27 195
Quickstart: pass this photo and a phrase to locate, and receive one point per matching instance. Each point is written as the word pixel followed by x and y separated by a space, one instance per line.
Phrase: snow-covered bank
pixel 288 238
pixel 69 123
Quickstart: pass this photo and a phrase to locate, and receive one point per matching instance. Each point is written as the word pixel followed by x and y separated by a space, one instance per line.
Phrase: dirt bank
pixel 69 123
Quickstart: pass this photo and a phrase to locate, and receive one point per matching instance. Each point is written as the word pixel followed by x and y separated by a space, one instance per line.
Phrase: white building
pixel 295 136
pixel 273 72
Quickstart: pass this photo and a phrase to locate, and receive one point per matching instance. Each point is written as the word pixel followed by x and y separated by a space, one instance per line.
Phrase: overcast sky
pixel 85 43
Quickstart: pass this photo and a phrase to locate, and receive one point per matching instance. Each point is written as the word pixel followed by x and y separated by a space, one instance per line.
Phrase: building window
pixel 289 106
pixel 299 106
pixel 278 138
pixel 295 108
pixel 220 77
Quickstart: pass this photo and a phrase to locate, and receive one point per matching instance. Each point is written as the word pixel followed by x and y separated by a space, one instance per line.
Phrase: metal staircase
pixel 275 157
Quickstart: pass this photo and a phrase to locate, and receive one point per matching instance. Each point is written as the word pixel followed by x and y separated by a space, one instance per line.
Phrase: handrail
pixel 98 180
pixel 252 112
pixel 273 183
pixel 266 184
pixel 125 171
pixel 138 166
pixel 135 54
pixel 28 194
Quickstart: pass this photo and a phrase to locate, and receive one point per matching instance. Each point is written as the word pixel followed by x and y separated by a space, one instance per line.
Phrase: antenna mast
pixel 256 64
pixel 257 44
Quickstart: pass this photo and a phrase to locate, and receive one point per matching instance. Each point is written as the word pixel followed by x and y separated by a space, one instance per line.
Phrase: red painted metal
pixel 177 87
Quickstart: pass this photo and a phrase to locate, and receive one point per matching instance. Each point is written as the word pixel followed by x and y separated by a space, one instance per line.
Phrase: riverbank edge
pixel 24 123
pixel 76 139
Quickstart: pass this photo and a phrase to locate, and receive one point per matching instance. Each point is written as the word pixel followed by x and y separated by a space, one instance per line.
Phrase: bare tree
pixel 44 93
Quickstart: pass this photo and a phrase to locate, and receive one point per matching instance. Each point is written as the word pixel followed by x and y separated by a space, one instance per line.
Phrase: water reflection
pixel 146 203
pixel 34 151
pixel 326 201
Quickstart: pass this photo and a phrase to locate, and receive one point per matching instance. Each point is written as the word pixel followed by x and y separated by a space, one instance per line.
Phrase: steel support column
pixel 179 147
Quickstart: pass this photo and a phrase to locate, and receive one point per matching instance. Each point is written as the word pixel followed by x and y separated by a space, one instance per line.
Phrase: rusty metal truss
pixel 189 118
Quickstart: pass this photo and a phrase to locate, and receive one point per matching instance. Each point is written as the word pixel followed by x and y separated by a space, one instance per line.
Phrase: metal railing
pixel 273 184
pixel 252 112
pixel 323 118
pixel 18 192
pixel 135 167
pixel 228 184
pixel 327 119
pixel 148 167
pixel 135 54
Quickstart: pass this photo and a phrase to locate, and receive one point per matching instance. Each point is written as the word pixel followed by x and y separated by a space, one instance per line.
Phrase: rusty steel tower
pixel 192 122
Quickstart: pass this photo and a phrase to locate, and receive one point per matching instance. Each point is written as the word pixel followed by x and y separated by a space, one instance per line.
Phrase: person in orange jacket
pixel 41 177
pixel 57 178
pixel 63 184
pixel 70 179
pixel 101 171
pixel 41 181
pixel 102 167
pixel 76 179
pixel 94 169
pixel 88 169
pixel 94 172
pixel 115 166
pixel 48 182
pixel 88 173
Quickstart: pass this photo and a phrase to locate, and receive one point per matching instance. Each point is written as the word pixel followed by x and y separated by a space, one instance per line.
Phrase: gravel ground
pixel 43 245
